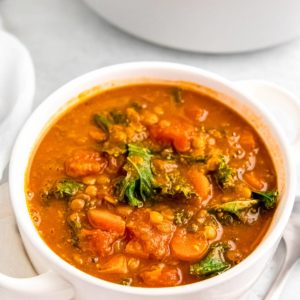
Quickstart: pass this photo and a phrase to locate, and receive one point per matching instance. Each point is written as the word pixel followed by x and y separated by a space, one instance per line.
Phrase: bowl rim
pixel 27 227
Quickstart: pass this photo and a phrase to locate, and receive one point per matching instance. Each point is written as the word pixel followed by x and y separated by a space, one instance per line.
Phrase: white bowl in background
pixel 212 26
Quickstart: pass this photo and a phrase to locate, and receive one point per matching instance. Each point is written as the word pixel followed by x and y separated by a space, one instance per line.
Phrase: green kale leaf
pixel 190 159
pixel 268 198
pixel 235 207
pixel 118 117
pixel 214 263
pixel 177 95
pixel 175 185
pixel 138 185
pixel 62 189
pixel 182 217
pixel 102 122
pixel 75 226
pixel 225 175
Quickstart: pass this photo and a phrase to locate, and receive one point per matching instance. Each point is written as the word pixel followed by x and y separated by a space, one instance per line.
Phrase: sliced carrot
pixel 200 182
pixel 105 220
pixel 188 246
pixel 247 140
pixel 116 265
pixel 254 182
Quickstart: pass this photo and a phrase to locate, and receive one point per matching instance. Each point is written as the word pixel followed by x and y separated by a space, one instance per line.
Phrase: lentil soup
pixel 151 185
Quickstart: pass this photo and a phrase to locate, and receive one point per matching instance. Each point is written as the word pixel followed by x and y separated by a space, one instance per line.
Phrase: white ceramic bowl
pixel 205 25
pixel 60 280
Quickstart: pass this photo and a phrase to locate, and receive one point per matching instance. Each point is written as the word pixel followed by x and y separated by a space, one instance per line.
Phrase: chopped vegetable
pixel 75 226
pixel 85 163
pixel 105 220
pixel 214 263
pixel 62 189
pixel 190 159
pixel 182 217
pixel 137 106
pixel 118 117
pixel 252 179
pixel 102 241
pixel 200 182
pixel 225 175
pixel 236 207
pixel 67 188
pixel 268 198
pixel 117 264
pixel 178 133
pixel 102 122
pixel 162 275
pixel 176 185
pixel 138 185
pixel 177 95
pixel 241 207
pixel 168 154
pixel 188 246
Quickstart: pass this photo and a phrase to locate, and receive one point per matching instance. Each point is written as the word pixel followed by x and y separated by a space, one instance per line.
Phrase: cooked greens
pixel 138 185
pixel 192 159
pixel 176 185
pixel 182 217
pixel 113 117
pixel 62 189
pixel 177 95
pixel 74 227
pixel 225 175
pixel 268 198
pixel 214 263
pixel 102 122
pixel 118 117
pixel 235 207
pixel 241 208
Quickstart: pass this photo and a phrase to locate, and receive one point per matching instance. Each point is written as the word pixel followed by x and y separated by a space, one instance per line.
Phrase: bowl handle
pixel 47 286
pixel 284 106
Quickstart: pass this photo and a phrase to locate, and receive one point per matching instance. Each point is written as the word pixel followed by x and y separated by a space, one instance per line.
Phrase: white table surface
pixel 66 39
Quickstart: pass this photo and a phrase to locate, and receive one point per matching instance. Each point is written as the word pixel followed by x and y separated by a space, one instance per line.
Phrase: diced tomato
pixel 200 182
pixel 147 238
pixel 84 163
pixel 162 275
pixel 100 240
pixel 178 134
pixel 135 248
pixel 189 246
pixel 117 264
pixel 105 220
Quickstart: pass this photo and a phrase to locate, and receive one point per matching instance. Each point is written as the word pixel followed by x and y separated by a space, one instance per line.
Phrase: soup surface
pixel 151 185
